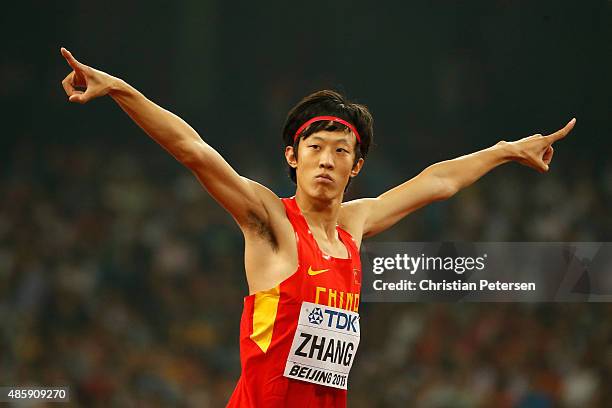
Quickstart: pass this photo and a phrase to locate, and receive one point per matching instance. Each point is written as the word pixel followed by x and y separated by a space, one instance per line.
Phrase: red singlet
pixel 269 321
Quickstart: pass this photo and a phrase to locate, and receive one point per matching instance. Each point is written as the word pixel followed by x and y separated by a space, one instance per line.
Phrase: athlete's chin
pixel 323 192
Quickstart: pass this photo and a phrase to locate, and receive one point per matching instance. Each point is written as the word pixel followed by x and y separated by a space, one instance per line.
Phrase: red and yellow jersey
pixel 269 322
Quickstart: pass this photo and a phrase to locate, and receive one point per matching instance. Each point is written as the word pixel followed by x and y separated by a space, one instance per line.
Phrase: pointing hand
pixel 536 151
pixel 84 83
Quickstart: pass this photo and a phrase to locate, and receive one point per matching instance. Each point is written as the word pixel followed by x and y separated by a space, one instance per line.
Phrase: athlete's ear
pixel 290 156
pixel 357 167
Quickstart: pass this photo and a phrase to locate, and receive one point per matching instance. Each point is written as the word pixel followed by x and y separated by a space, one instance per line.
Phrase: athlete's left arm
pixel 444 179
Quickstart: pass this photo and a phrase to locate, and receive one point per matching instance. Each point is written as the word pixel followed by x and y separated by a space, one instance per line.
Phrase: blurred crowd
pixel 122 279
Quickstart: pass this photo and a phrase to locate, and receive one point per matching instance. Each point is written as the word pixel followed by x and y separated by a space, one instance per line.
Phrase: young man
pixel 300 328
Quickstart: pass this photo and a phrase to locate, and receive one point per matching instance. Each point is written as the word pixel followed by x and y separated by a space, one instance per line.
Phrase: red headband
pixel 322 118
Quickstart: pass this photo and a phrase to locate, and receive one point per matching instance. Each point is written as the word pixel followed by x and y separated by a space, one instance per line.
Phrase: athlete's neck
pixel 320 214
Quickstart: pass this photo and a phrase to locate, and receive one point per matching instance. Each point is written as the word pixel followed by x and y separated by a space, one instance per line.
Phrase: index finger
pixel 561 133
pixel 70 59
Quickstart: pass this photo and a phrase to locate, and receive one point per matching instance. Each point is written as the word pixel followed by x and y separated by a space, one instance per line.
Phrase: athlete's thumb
pixel 77 98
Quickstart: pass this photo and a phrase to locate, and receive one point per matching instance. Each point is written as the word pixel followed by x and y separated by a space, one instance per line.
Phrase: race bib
pixel 324 345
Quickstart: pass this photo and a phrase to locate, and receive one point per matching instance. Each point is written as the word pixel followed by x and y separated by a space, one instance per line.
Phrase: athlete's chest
pixel 333 247
pixel 324 279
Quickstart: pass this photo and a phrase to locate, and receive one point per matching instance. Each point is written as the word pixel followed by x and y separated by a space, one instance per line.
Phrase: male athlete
pixel 300 325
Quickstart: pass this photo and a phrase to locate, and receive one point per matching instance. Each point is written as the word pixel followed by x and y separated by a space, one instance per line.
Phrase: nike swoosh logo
pixel 314 273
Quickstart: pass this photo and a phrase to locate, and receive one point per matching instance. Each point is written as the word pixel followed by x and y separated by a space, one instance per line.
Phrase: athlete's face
pixel 325 163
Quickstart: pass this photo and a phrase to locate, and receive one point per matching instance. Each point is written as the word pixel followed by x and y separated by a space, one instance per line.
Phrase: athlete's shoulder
pixel 353 215
pixel 270 203
pixel 355 209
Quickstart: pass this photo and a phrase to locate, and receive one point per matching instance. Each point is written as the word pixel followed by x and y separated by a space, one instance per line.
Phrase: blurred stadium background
pixel 122 279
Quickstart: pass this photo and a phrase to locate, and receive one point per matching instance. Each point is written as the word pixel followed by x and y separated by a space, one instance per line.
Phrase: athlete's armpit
pixel 262 228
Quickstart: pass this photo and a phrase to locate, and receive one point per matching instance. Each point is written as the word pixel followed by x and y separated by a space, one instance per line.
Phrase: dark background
pixel 122 279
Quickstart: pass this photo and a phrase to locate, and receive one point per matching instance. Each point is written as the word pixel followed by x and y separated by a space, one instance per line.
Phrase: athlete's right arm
pixel 241 197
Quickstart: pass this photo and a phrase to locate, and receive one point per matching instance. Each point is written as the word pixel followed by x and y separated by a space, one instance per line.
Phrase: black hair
pixel 328 103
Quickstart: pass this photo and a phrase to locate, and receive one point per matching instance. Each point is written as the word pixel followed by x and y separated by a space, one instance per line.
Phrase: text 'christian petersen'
pixel 456 285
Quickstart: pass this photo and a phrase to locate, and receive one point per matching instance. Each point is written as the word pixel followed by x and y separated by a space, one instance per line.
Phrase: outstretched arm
pixel 241 197
pixel 442 180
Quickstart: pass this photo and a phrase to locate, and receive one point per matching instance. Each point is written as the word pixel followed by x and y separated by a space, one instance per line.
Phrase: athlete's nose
pixel 326 160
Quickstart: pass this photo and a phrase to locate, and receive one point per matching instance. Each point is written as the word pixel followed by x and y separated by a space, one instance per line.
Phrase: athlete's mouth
pixel 326 178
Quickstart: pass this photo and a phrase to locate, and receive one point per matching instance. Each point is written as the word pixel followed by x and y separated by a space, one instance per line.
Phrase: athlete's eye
pixel 341 150
pixel 314 146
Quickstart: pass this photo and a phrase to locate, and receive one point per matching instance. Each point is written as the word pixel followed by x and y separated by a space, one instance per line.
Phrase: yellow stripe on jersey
pixel 264 316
